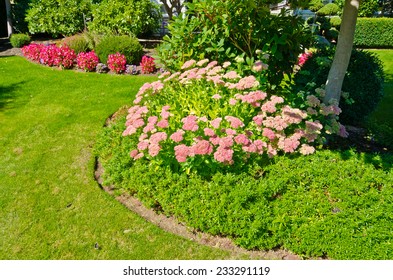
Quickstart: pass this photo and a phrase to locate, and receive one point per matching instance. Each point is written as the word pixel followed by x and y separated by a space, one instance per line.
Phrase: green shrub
pixel 374 33
pixel 126 17
pixel 330 9
pixel 77 43
pixel 368 8
pixel 19 40
pixel 335 22
pixel 363 81
pixel 216 30
pixel 298 204
pixel 332 34
pixel 126 45
pixel 315 5
pixel 57 17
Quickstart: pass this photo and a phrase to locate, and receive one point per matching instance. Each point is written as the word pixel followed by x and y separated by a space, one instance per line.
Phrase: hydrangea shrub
pixel 207 116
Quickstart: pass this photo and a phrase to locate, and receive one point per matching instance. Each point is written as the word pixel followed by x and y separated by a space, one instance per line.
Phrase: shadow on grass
pixel 8 96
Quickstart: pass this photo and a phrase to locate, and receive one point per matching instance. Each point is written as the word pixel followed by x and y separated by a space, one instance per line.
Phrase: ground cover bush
pixel 129 17
pixel 363 82
pixel 19 40
pixel 128 46
pixel 78 43
pixel 298 203
pixel 216 30
pixel 374 33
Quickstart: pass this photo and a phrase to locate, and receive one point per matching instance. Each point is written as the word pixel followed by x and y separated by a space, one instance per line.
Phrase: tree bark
pixel 343 51
pixel 9 20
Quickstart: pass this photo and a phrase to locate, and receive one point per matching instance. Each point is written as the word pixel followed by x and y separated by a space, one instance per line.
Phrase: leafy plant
pixel 363 81
pixel 224 30
pixel 117 63
pixel 77 43
pixel 19 40
pixel 57 17
pixel 125 17
pixel 87 61
pixel 126 45
pixel 329 9
pixel 315 5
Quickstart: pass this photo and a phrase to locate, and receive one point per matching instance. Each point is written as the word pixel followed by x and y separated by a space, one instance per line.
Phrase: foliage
pixel 368 8
pixel 52 55
pixel 18 11
pixel 147 65
pixel 57 17
pixel 315 5
pixel 19 40
pixel 329 9
pixel 125 17
pixel 117 62
pixel 297 203
pixel 77 43
pixel 387 7
pixel 87 61
pixel 335 22
pixel 224 30
pixel 126 45
pixel 206 118
pixel 363 81
pixel 374 33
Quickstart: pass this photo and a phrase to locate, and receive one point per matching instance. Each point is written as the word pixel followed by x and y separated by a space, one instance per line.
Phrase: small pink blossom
pixel 313 101
pixel 230 132
pixel 152 120
pixel 258 120
pixel 209 132
pixel 181 153
pixel 202 62
pixel 203 147
pixel 226 142
pixel 163 124
pixel 267 132
pixel 188 64
pixel 342 131
pixel 158 137
pixel 177 136
pixel 247 83
pixel 232 101
pixel 235 122
pixel 216 96
pixel 226 64
pixel 143 145
pixel 154 149
pixel 242 139
pixel 231 75
pixel 224 155
pixel 133 153
pixel 216 122
pixel 259 66
pixel 306 149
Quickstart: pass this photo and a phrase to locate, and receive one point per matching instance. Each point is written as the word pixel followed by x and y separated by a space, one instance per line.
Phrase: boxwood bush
pixel 374 33
pixel 332 204
pixel 329 10
pixel 19 40
pixel 126 45
pixel 363 81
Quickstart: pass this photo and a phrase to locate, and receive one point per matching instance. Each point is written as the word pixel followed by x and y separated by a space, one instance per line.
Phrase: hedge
pixel 374 33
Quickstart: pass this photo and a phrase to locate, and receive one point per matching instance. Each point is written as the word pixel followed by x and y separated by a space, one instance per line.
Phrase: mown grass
pixel 50 205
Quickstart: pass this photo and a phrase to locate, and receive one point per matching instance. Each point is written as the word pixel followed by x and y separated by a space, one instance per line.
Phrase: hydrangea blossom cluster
pixel 147 65
pixel 207 112
pixel 87 61
pixel 117 62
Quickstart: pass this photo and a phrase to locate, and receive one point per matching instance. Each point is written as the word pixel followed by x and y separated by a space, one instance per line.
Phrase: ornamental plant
pixel 32 51
pixel 87 61
pixel 205 117
pixel 117 62
pixel 147 65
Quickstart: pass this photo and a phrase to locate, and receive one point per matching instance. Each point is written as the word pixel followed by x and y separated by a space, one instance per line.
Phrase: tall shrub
pixel 374 33
pixel 126 17
pixel 57 17
pixel 223 30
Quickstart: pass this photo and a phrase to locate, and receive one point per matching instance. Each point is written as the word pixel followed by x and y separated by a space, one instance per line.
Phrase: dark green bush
pixel 363 81
pixel 126 45
pixel 330 9
pixel 296 203
pixel 223 30
pixel 374 33
pixel 126 17
pixel 56 17
pixel 78 43
pixel 18 10
pixel 19 40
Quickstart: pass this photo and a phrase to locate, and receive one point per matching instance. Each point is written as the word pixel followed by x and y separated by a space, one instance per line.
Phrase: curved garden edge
pixel 172 225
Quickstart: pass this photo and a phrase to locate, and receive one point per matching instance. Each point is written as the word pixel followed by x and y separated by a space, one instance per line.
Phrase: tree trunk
pixel 343 51
pixel 9 21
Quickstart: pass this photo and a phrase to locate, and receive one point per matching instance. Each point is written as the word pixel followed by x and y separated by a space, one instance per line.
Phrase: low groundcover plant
pixel 209 116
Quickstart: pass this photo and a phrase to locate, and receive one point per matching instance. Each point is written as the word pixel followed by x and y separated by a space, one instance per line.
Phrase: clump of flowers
pixel 147 64
pixel 67 57
pixel 303 58
pixel 131 69
pixel 102 68
pixel 117 63
pixel 206 115
pixel 32 51
pixel 87 61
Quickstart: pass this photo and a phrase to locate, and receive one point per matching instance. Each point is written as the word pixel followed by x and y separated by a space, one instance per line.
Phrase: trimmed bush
pixel 126 45
pixel 19 40
pixel 329 10
pixel 77 43
pixel 363 81
pixel 374 33
pixel 56 17
pixel 126 17
pixel 315 5
pixel 335 22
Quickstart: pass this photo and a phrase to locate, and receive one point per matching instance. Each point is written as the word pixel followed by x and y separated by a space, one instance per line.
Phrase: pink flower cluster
pixel 247 121
pixel 147 65
pixel 33 51
pixel 87 61
pixel 117 62
pixel 303 58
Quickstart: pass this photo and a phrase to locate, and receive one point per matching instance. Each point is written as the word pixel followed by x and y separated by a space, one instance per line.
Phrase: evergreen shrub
pixel 374 33
pixel 19 40
pixel 128 46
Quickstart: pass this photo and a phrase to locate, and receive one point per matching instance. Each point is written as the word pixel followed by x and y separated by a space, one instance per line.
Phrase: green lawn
pixel 50 205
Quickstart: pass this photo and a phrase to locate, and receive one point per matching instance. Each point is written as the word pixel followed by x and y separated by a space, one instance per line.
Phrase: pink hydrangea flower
pixel 242 139
pixel 247 83
pixel 342 131
pixel 158 137
pixel 154 149
pixel 313 101
pixel 177 136
pixel 209 132
pixel 202 147
pixel 267 132
pixel 190 123
pixel 258 120
pixel 163 123
pixel 259 66
pixel 230 132
pixel 226 142
pixel 143 145
pixel 181 153
pixel 216 122
pixel 235 122
pixel 269 107
pixel 224 155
